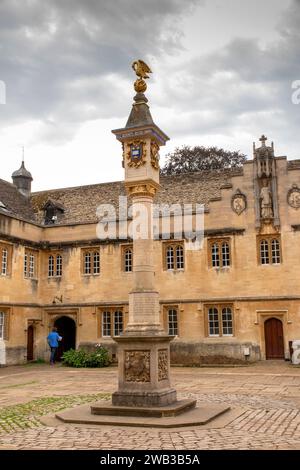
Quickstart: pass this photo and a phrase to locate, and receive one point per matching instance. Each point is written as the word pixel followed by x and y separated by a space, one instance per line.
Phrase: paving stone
pixel 268 394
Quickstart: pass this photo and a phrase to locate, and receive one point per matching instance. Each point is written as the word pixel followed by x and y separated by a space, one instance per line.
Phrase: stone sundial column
pixel 144 348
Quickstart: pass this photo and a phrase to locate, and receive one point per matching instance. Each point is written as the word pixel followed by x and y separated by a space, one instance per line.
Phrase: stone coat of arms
pixel 238 202
pixel 293 197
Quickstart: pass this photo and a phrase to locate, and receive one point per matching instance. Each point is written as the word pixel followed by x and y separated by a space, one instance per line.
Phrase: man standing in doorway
pixel 53 338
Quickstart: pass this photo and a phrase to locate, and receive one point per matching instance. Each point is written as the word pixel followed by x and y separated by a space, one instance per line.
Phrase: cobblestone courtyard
pixel 264 400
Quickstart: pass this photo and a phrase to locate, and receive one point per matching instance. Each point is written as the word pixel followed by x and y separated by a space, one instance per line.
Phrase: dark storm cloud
pixel 63 60
pixel 244 85
pixel 68 61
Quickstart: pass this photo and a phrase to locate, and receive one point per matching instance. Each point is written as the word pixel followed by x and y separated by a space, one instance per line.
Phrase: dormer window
pixel 53 211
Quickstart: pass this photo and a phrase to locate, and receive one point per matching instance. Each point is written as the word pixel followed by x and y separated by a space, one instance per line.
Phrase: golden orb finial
pixel 141 69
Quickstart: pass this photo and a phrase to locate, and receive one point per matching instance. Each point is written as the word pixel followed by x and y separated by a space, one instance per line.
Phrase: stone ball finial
pixel 140 85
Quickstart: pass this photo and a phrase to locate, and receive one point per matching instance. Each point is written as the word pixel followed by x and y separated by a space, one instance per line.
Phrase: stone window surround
pixel 94 267
pixel 177 259
pixel 111 310
pixel 31 261
pixel 219 307
pixel 2 321
pixel 219 241
pixel 124 248
pixel 165 313
pixel 8 247
pixel 6 322
pixel 56 271
pixel 173 322
pixel 269 238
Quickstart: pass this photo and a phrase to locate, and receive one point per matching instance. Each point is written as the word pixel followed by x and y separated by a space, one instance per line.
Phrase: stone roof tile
pixel 80 203
pixel 15 203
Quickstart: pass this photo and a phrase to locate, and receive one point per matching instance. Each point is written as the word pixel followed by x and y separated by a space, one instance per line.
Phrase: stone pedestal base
pixel 192 417
pixel 144 371
pixel 162 398
pixel 175 409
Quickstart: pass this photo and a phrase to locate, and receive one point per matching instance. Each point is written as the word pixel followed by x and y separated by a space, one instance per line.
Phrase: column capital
pixel 142 188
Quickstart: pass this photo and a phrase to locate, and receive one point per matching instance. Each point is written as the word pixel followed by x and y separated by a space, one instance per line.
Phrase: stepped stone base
pixel 144 399
pixel 193 417
pixel 159 411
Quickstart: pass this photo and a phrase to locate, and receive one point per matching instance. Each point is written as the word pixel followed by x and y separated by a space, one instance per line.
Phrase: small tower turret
pixel 22 180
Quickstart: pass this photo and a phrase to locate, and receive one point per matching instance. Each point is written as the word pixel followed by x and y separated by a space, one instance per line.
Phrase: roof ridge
pixel 7 182
pixel 34 193
pixel 200 172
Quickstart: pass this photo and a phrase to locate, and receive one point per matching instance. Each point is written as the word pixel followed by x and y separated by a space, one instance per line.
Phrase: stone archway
pixel 274 338
pixel 66 328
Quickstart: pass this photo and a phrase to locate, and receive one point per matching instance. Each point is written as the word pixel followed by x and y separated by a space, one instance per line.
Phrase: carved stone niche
pixel 238 202
pixel 265 186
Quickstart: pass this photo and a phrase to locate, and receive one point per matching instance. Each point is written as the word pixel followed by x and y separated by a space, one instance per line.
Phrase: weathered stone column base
pixel 144 399
pixel 144 371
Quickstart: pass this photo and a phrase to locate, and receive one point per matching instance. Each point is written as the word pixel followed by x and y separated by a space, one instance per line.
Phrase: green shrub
pixel 82 358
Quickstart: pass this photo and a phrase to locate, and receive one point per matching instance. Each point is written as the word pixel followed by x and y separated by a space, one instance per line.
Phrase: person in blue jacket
pixel 53 338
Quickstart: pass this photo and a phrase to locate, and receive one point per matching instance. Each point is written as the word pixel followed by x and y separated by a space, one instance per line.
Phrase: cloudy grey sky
pixel 222 75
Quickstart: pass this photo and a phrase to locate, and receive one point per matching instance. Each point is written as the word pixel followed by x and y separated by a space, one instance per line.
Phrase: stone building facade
pixel 236 299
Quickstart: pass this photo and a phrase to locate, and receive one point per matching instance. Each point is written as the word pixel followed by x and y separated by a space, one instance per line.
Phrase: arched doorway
pixel 30 343
pixel 274 339
pixel 66 328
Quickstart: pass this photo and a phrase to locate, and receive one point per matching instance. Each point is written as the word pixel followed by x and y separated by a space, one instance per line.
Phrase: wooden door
pixel 30 343
pixel 274 339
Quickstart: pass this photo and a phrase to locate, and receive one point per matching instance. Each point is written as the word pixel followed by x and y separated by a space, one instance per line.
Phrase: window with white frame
pixel 87 268
pixel 275 251
pixel 213 322
pixel 215 256
pixel 112 322
pixel 264 252
pixel 2 318
pixel 96 260
pixel 225 254
pixel 269 250
pixel 58 265
pixel 30 263
pixel 91 262
pixel 172 322
pixel 227 321
pixel 170 257
pixel 118 322
pixel 127 256
pixel 173 256
pixel 219 253
pixel 106 324
pixel 50 266
pixel 55 265
pixel 220 320
pixel 5 259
